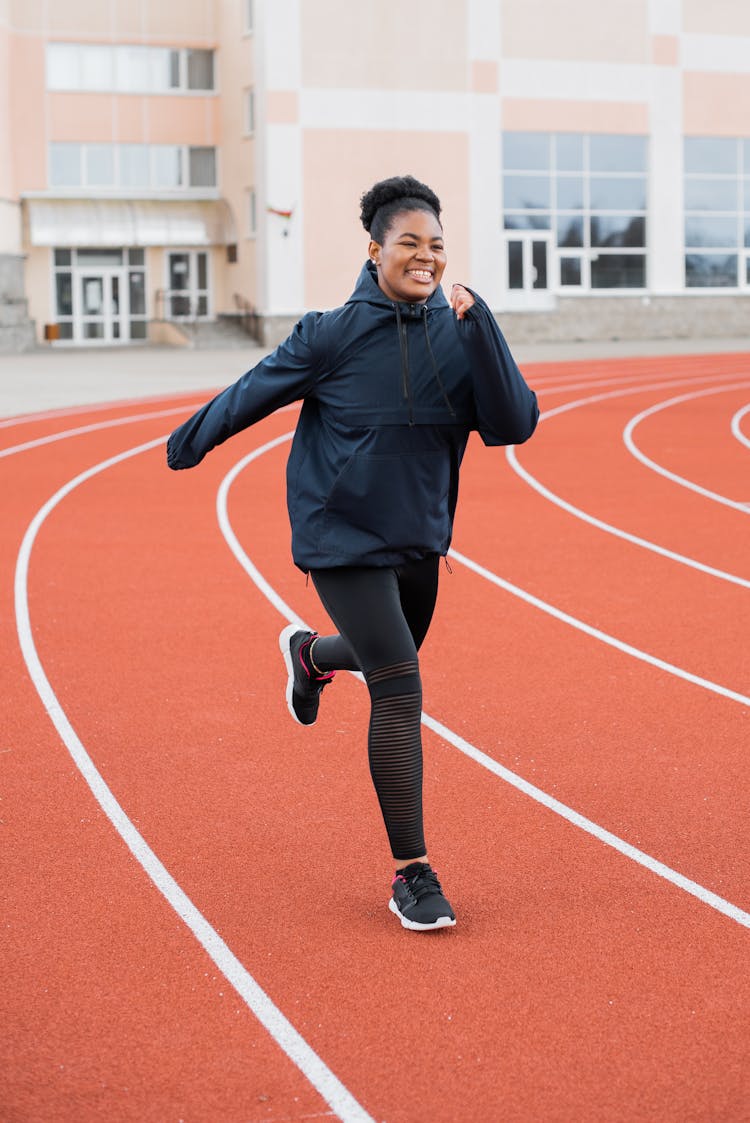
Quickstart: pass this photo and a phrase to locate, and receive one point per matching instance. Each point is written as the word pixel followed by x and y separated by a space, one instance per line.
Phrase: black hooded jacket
pixel 390 393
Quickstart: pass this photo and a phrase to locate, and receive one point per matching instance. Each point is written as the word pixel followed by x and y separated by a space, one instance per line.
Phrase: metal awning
pixel 128 222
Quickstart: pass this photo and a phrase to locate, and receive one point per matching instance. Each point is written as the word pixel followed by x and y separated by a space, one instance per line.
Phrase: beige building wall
pixel 346 93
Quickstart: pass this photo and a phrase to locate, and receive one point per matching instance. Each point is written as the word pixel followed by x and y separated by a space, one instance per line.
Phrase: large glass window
pixel 65 165
pixel 100 165
pixel 202 167
pixel 157 167
pixel 134 165
pixel 200 69
pixel 128 68
pixel 166 166
pixel 717 211
pixel 591 191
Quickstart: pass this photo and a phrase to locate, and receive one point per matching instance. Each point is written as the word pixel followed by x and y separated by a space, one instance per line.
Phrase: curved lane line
pixel 93 427
pixel 666 872
pixel 632 447
pixel 95 407
pixel 268 1014
pixel 577 512
pixel 737 426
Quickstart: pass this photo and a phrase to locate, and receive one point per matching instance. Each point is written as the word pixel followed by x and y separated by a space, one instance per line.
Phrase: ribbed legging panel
pixel 395 755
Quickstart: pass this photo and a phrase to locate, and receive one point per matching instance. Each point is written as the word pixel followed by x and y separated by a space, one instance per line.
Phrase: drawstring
pixel 435 367
pixel 404 347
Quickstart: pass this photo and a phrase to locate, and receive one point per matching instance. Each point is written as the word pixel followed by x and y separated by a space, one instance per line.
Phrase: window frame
pixel 558 172
pixel 184 187
pixel 118 67
pixel 736 173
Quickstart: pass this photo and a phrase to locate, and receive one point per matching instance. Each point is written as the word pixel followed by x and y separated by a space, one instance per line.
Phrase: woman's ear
pixel 373 252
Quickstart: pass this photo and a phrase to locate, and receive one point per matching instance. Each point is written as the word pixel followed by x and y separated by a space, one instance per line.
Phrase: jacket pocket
pixel 388 501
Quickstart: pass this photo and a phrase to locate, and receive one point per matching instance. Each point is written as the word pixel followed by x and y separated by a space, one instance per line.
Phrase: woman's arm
pixel 507 410
pixel 284 376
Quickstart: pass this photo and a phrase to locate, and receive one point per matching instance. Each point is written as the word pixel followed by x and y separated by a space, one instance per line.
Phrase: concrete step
pixel 18 337
pixel 225 331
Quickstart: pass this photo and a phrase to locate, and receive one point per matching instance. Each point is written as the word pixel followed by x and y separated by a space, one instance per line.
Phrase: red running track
pixel 195 921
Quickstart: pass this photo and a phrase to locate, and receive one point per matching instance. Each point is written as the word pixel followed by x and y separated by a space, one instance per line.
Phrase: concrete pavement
pixel 56 378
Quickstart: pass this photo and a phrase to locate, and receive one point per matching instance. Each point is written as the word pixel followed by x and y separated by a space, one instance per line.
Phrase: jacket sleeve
pixel 507 410
pixel 284 376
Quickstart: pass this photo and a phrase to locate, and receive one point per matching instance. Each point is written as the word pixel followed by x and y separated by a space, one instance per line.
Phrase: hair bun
pixel 394 190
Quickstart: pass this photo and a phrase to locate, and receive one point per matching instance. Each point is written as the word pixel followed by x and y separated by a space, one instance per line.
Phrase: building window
pixel 249 111
pixel 156 167
pixel 65 168
pixel 252 213
pixel 590 192
pixel 100 295
pixel 717 212
pixel 200 69
pixel 202 167
pixel 129 69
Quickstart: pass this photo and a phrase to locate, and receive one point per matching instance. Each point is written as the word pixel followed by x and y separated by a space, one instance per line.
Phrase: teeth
pixel 423 274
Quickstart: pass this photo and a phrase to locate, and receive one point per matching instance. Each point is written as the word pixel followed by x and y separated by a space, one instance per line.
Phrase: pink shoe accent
pixel 323 677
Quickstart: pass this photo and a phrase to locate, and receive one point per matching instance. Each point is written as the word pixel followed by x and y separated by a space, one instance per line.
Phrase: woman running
pixel 391 385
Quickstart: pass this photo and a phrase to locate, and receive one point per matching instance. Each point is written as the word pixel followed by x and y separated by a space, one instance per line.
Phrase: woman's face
pixel 412 258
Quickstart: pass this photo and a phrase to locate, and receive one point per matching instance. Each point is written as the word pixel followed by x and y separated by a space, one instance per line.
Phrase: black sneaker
pixel 304 684
pixel 418 900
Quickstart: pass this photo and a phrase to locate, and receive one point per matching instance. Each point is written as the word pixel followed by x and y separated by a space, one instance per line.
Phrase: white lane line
pixel 633 449
pixel 568 813
pixel 737 426
pixel 597 633
pixel 557 381
pixel 100 407
pixel 94 427
pixel 268 1014
pixel 600 524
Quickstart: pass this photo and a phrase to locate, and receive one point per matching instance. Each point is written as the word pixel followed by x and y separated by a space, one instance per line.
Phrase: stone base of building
pixel 600 319
pixel 17 331
pixel 597 319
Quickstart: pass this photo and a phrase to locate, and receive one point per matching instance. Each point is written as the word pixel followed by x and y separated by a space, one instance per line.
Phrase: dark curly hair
pixel 389 197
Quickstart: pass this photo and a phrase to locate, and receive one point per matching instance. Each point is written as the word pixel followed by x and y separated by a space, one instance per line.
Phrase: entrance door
pixel 187 285
pixel 100 299
pixel 528 261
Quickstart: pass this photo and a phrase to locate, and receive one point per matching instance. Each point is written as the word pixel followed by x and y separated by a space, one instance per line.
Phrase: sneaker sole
pixel 414 925
pixel 284 641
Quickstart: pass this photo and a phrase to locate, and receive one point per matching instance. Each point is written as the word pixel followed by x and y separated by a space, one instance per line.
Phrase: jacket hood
pixel 368 291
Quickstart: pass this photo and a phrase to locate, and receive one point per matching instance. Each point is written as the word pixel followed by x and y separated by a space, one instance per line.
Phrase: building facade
pixel 163 164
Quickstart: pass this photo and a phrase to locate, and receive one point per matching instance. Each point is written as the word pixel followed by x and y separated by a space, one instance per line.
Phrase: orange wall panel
pixel 183 120
pixel 537 114
pixel 592 30
pixel 335 242
pixel 28 129
pixel 716 104
pixel 130 119
pixel 719 17
pixel 417 45
pixel 81 117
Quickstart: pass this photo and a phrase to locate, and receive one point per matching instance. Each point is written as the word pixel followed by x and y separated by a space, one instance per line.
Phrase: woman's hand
pixel 461 301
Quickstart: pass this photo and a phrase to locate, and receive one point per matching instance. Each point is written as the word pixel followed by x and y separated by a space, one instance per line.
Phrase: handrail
pixel 250 320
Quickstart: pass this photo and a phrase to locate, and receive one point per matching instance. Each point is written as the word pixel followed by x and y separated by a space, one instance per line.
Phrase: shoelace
pixel 422 883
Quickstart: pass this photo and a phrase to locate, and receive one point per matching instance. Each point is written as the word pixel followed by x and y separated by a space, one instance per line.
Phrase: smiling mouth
pixel 423 275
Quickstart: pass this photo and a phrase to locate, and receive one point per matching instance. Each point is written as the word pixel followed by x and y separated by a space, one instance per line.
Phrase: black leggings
pixel 382 616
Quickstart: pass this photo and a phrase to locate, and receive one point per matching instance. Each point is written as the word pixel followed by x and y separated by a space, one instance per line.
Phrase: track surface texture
pixel 195 921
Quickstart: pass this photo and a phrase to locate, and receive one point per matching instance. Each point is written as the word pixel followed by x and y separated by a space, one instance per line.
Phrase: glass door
pixel 187 285
pixel 528 262
pixel 100 306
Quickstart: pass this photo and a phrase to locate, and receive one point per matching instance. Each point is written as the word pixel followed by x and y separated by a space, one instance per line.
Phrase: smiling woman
pixel 392 383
